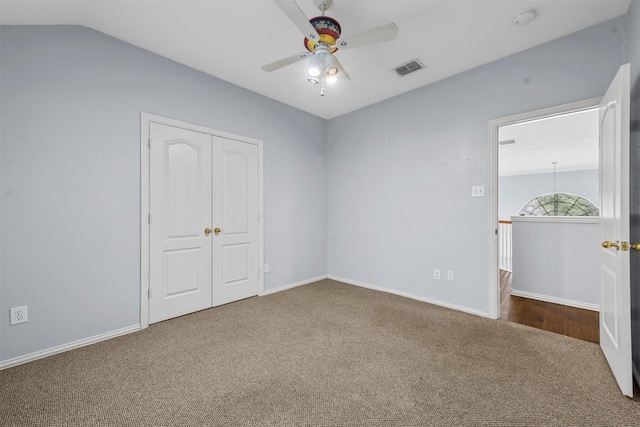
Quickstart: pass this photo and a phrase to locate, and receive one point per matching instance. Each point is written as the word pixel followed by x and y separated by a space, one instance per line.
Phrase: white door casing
pixel 193 162
pixel 180 202
pixel 615 304
pixel 235 214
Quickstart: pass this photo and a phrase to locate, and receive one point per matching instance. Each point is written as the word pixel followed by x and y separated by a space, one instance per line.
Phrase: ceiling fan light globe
pixel 331 65
pixel 313 72
pixel 315 66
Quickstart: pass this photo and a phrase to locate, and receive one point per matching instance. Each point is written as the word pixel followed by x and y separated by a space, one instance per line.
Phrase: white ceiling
pixel 571 140
pixel 232 39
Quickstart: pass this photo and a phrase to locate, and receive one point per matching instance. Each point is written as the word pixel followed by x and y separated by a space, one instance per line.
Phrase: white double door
pixel 203 231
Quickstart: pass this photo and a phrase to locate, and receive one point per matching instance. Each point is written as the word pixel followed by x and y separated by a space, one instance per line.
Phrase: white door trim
pixel 494 278
pixel 145 120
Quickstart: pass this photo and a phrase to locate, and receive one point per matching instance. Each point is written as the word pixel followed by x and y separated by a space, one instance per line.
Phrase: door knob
pixel 635 246
pixel 216 230
pixel 607 244
pixel 207 231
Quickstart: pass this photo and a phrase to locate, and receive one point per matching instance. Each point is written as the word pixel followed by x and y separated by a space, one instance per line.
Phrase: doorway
pixel 201 227
pixel 530 168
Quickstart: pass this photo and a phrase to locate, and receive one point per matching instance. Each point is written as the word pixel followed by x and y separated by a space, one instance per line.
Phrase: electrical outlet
pixel 18 315
pixel 266 267
pixel 450 275
pixel 436 274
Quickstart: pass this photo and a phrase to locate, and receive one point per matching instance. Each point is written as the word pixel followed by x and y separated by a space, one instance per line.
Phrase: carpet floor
pixel 324 354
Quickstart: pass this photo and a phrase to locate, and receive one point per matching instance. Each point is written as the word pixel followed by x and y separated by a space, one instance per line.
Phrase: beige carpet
pixel 325 354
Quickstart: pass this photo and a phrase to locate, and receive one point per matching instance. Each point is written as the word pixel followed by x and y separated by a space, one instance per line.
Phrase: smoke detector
pixel 525 17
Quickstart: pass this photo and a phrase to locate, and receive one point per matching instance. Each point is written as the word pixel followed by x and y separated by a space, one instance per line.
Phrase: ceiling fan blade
pixel 377 35
pixel 343 72
pixel 297 16
pixel 286 61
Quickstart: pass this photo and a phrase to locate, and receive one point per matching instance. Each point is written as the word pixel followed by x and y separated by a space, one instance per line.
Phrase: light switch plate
pixel 477 191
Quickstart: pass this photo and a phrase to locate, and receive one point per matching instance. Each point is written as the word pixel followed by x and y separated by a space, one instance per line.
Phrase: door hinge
pixel 258 216
pixel 496 231
pixel 149 218
pixel 149 143
pixel 149 293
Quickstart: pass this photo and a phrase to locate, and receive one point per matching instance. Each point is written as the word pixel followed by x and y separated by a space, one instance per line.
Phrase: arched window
pixel 559 204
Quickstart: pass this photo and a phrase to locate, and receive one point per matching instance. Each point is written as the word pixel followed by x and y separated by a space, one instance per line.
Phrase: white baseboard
pixel 4 364
pixel 135 328
pixel 411 296
pixel 293 285
pixel 66 347
pixel 556 300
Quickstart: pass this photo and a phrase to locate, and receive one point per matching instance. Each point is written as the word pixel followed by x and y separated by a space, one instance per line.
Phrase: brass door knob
pixel 635 246
pixel 207 231
pixel 216 230
pixel 607 244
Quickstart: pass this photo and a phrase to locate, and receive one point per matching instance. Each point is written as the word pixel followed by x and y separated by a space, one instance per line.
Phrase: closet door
pixel 236 270
pixel 180 202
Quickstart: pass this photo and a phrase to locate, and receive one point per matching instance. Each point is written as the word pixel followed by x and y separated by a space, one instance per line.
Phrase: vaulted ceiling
pixel 232 39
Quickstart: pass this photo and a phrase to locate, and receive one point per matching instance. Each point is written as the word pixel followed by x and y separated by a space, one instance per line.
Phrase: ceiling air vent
pixel 409 67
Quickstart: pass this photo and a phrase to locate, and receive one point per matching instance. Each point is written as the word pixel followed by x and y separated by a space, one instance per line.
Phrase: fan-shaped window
pixel 559 204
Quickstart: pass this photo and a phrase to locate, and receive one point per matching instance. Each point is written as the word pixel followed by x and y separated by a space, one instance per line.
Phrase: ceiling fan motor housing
pixel 328 29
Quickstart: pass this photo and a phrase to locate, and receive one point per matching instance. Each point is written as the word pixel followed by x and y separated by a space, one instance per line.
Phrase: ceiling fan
pixel 322 39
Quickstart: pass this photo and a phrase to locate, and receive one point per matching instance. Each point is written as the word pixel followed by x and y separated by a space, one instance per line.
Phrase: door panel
pixel 235 191
pixel 235 263
pixel 180 206
pixel 615 304
pixel 609 316
pixel 236 210
pixel 183 172
pixel 181 271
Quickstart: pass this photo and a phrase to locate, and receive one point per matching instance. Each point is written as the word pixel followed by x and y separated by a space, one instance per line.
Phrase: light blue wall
pixel 632 45
pixel 70 174
pixel 557 260
pixel 515 191
pixel 401 171
pixel 397 193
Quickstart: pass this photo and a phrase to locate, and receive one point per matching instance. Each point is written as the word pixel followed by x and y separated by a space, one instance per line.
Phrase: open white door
pixel 615 304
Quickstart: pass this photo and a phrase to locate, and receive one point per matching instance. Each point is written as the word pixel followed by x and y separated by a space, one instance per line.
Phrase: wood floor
pixel 570 321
